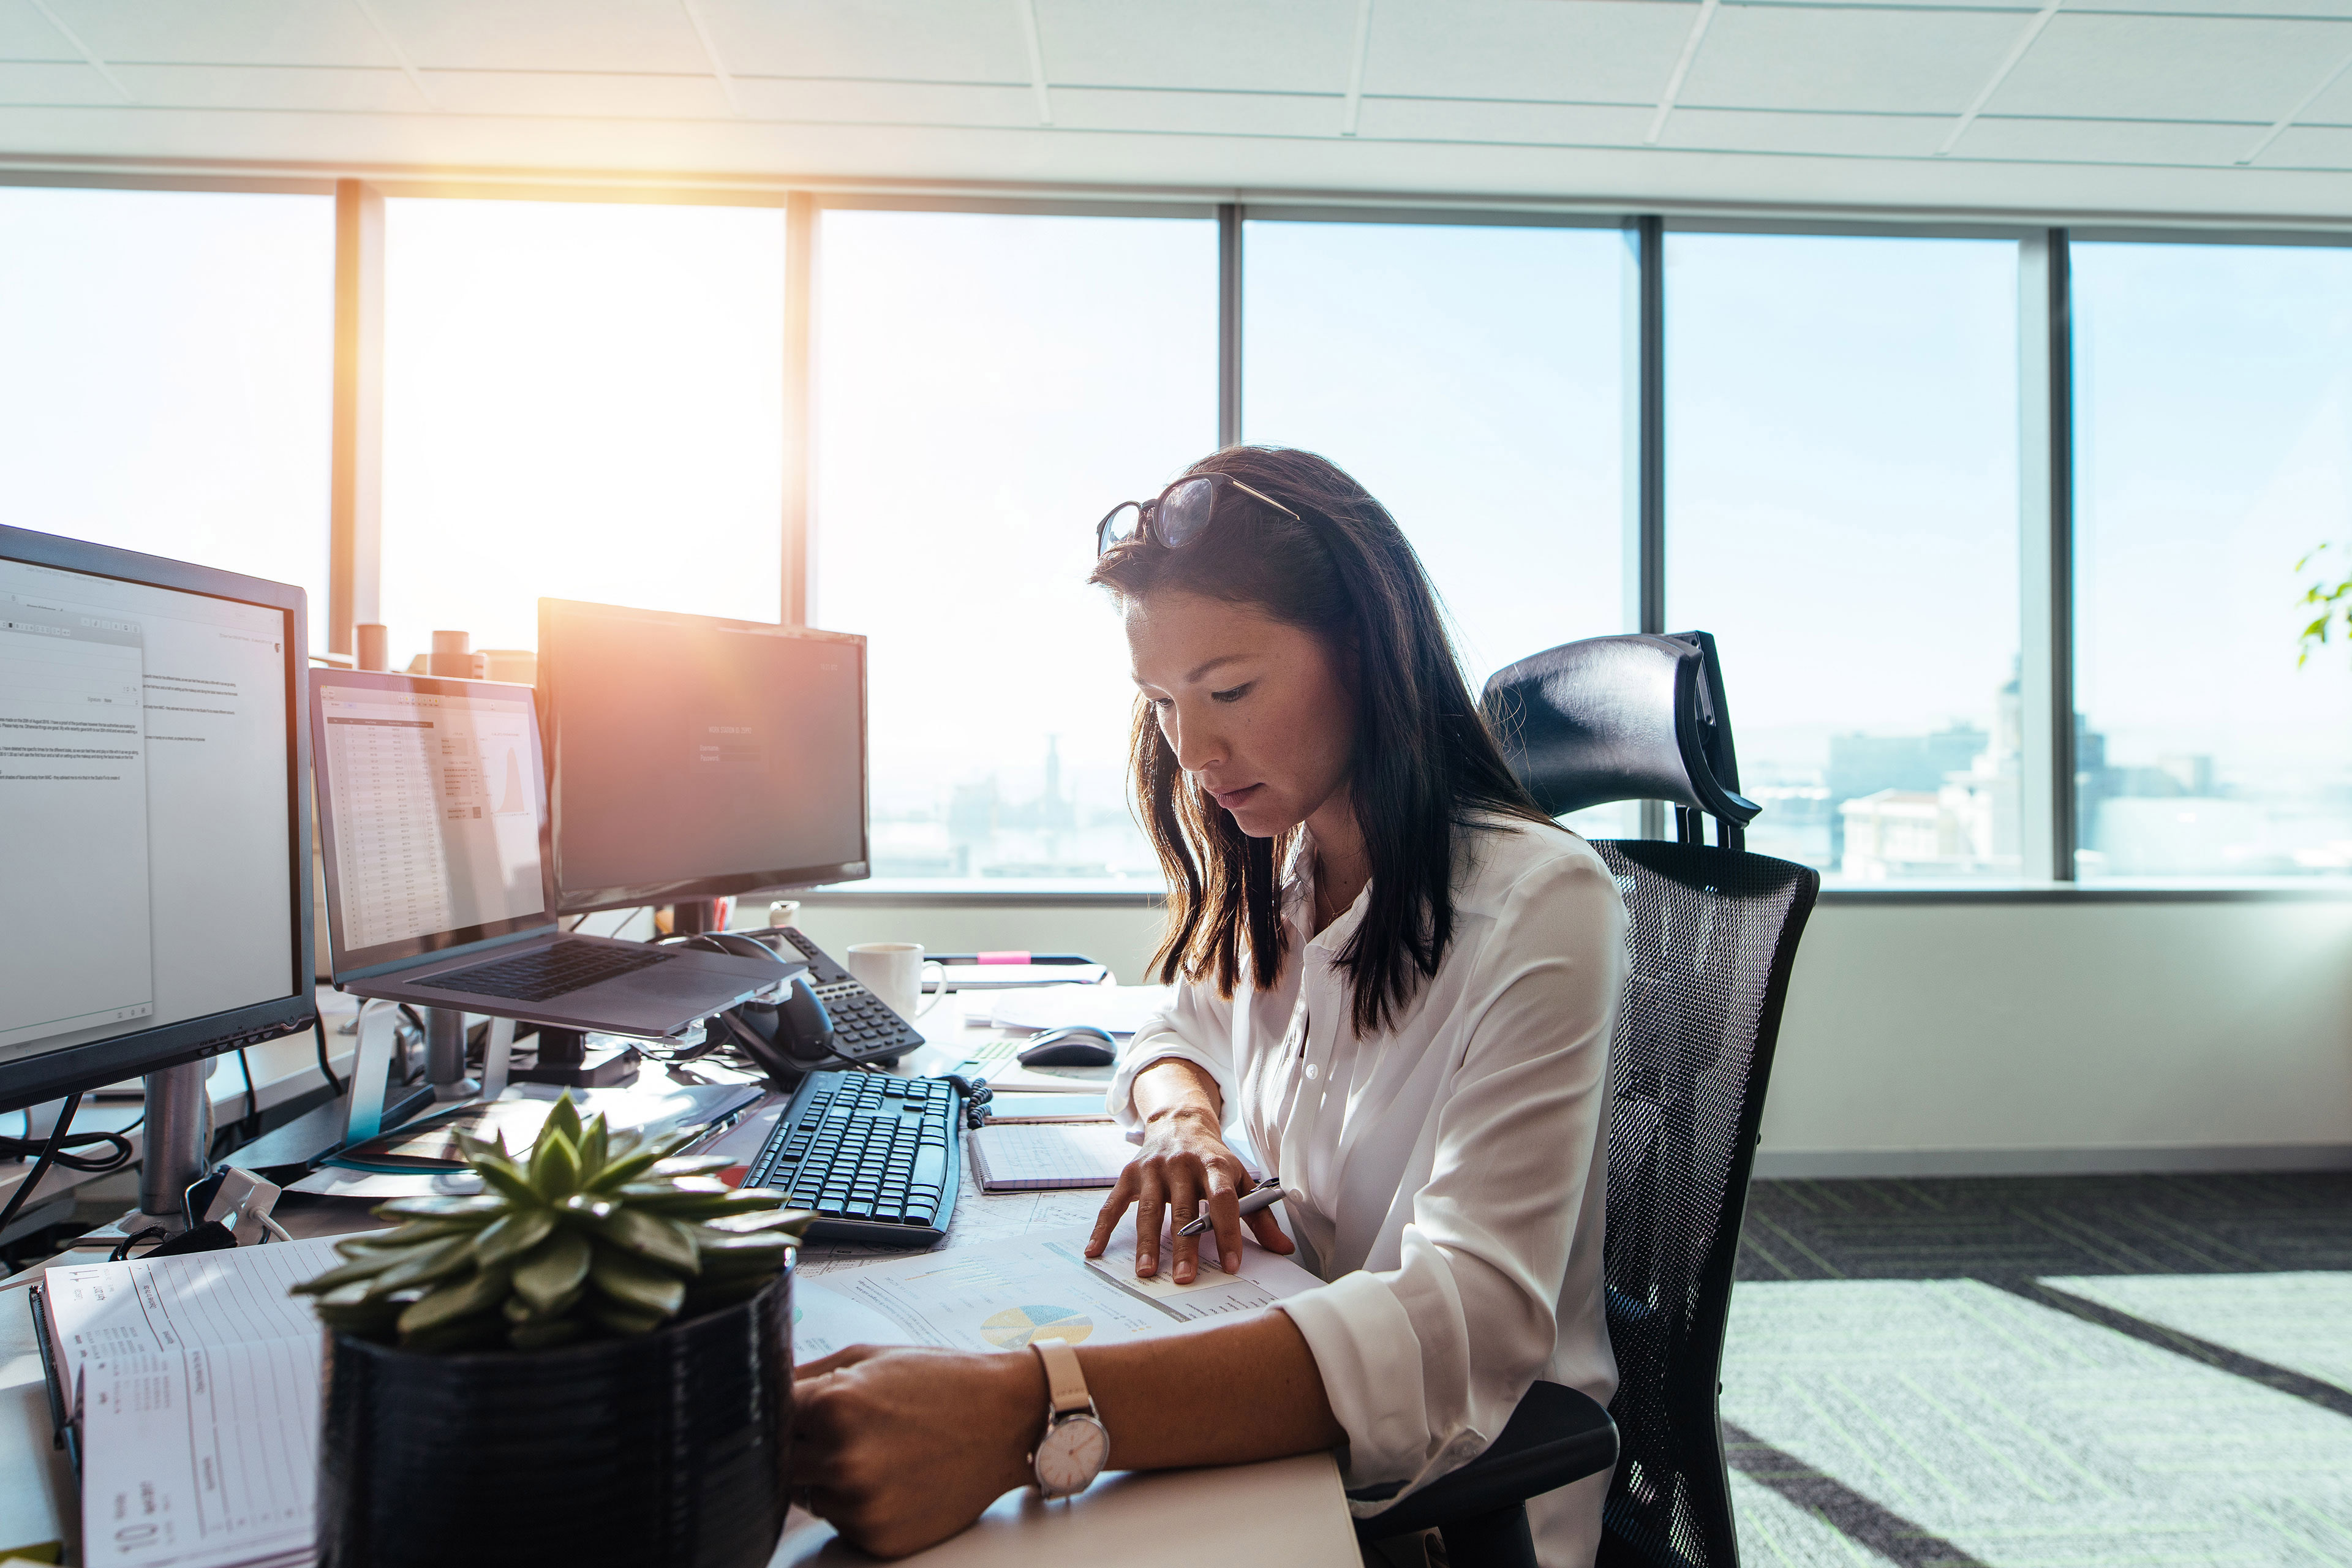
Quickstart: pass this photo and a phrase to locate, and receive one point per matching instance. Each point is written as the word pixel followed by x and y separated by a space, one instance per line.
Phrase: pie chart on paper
pixel 1013 1328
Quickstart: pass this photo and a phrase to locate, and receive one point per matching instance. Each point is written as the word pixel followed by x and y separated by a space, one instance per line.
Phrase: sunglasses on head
pixel 1179 514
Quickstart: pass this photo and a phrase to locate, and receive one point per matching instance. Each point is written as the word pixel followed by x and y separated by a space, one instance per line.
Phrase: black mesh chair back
pixel 1712 936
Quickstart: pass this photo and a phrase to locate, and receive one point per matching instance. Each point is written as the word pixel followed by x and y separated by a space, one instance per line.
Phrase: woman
pixel 1395 979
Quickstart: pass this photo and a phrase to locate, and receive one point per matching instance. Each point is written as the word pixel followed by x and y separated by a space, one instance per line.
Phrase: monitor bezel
pixel 71 1070
pixel 351 964
pixel 572 901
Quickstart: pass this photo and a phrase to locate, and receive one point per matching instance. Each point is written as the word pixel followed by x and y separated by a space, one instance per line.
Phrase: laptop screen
pixel 432 805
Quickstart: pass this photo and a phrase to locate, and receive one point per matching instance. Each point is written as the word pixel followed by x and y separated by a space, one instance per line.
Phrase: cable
pixel 318 1033
pixel 252 1102
pixel 41 1166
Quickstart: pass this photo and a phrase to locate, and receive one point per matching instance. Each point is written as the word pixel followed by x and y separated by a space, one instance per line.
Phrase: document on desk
pixel 196 1383
pixel 1004 1295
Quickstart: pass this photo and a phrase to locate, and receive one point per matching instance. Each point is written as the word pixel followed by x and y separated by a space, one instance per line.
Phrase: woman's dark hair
pixel 1424 763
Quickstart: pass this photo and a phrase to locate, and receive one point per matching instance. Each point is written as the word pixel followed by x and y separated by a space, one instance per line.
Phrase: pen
pixel 1267 1193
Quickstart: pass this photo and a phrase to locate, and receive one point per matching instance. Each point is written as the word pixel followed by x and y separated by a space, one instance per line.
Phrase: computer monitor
pixel 695 758
pixel 154 761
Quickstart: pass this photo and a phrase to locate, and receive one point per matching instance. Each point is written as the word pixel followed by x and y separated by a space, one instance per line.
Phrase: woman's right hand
pixel 1184 1165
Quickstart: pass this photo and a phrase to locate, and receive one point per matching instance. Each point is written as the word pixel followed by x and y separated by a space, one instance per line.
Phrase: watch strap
pixel 1065 1385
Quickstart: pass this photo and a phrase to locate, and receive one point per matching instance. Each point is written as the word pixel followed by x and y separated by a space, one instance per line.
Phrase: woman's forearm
pixel 1242 1391
pixel 1174 1088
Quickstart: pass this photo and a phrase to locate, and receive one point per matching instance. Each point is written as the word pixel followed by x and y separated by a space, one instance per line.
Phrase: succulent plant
pixel 601 1235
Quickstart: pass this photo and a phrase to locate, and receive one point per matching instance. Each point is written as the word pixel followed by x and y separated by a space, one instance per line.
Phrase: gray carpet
pixel 2045 1372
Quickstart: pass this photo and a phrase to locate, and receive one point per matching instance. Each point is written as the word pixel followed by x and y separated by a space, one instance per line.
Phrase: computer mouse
pixel 1077 1046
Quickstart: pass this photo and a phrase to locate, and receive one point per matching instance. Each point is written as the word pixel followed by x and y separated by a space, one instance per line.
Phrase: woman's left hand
pixel 880 1466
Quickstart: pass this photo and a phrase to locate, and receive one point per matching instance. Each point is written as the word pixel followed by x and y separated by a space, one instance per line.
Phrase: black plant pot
pixel 661 1452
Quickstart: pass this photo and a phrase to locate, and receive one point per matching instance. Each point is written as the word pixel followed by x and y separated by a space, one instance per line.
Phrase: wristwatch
pixel 1076 1445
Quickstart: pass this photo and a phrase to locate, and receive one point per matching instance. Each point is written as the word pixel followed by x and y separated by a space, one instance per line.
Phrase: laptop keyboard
pixel 551 971
pixel 875 1156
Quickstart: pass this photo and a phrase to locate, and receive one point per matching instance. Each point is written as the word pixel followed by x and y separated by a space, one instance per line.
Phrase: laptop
pixel 432 799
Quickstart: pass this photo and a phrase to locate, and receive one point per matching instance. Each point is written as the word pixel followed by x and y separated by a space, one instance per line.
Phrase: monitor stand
pixel 178 1139
pixel 564 1057
pixel 693 918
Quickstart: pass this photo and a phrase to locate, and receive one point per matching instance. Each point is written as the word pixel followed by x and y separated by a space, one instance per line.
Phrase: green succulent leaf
pixel 478 1292
pixel 363 1266
pixel 547 1335
pixel 593 1146
pixel 472 1211
pixel 511 1181
pixel 725 1256
pixel 662 1241
pixel 588 1205
pixel 692 1165
pixel 510 1238
pixel 425 1264
pixel 563 1117
pixel 554 1269
pixel 625 1320
pixel 793 1223
pixel 620 1168
pixel 555 1165
pixel 631 1282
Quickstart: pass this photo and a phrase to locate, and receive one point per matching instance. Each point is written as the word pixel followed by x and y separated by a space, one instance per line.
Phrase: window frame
pixel 2046 402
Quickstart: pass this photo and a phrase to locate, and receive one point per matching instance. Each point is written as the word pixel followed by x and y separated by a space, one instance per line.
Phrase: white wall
pixel 1960 1039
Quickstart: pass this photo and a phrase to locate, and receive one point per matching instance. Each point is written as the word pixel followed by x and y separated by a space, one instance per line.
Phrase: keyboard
pixel 878 1157
pixel 553 971
pixel 864 1029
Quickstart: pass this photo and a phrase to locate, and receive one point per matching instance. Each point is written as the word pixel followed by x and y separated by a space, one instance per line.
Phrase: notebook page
pixel 1050 1155
pixel 235 1296
pixel 202 1456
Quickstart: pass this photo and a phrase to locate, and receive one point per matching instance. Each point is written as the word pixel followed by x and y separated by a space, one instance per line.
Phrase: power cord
pixel 318 1033
pixel 57 1147
pixel 57 1135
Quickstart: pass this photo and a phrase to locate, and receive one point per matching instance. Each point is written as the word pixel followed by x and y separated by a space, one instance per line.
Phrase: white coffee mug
pixel 895 971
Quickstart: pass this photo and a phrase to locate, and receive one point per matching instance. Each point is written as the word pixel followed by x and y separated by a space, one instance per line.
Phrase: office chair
pixel 1711 935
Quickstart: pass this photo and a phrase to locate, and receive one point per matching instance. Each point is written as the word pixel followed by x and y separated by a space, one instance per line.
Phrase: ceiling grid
pixel 2131 106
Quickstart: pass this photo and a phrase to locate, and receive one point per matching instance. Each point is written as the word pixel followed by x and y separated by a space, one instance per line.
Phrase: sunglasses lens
pixel 1185 512
pixel 1120 525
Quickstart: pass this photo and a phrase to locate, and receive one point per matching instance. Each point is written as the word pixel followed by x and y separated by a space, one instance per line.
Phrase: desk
pixel 1290 1510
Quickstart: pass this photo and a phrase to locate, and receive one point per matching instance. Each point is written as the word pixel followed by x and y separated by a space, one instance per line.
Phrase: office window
pixel 166 375
pixel 987 387
pixel 1841 495
pixel 2213 436
pixel 1471 378
pixel 581 401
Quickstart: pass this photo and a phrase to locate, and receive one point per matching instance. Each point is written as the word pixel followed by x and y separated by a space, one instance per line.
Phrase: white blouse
pixel 1445 1176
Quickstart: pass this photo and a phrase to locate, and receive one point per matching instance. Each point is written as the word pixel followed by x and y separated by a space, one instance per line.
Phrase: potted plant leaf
pixel 588 1363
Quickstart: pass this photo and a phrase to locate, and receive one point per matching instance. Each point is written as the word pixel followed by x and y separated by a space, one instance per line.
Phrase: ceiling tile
pixel 26 35
pixel 885 102
pixel 2304 147
pixel 2171 67
pixel 545 35
pixel 1593 51
pixel 1196 113
pixel 2332 107
pixel 579 95
pixel 2232 8
pixel 331 89
pixel 2104 141
pixel 907 40
pixel 1841 58
pixel 1233 45
pixel 1843 135
pixel 226 32
pixel 23 82
pixel 1481 120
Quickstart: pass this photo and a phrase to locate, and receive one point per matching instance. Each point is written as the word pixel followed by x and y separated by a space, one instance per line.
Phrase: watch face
pixel 1071 1456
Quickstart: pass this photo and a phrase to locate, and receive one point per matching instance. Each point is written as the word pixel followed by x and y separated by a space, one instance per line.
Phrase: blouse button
pixel 1313 1071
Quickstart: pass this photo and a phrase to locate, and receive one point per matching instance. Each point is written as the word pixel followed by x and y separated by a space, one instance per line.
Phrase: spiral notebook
pixel 1028 1156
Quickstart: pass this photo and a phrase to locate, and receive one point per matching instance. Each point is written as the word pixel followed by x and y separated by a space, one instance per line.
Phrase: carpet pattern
pixel 2054 1372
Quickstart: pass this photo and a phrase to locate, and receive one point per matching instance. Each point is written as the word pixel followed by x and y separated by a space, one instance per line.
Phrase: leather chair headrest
pixel 1636 717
